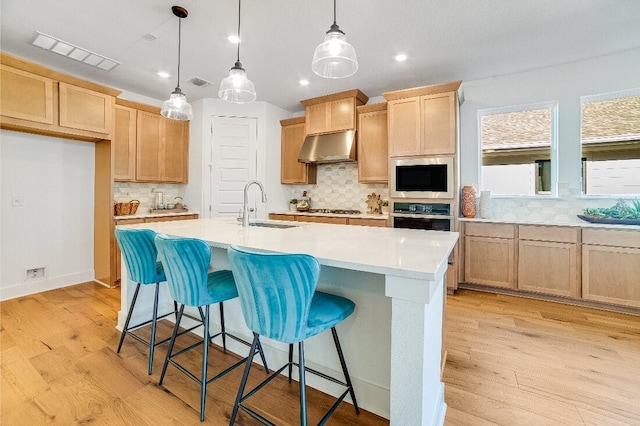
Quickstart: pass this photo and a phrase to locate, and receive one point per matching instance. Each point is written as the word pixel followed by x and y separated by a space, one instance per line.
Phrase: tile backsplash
pixel 146 193
pixel 337 187
pixel 562 209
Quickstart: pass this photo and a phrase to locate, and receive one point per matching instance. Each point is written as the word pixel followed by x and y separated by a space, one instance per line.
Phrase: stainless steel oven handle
pixel 421 216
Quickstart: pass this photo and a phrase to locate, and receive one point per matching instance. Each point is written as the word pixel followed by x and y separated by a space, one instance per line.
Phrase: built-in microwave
pixel 426 177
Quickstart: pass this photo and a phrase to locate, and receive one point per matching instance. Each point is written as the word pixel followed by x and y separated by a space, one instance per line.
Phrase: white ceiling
pixel 445 40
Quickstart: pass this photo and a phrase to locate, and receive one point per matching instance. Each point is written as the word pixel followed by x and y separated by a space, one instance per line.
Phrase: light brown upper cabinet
pixel 26 96
pixel 423 120
pixel 148 147
pixel 174 148
pixel 332 113
pixel 35 99
pixel 124 144
pixel 292 137
pixel 85 109
pixel 373 164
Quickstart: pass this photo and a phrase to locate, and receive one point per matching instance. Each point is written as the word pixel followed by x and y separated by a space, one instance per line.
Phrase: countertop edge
pixel 144 215
pixel 579 223
pixel 382 216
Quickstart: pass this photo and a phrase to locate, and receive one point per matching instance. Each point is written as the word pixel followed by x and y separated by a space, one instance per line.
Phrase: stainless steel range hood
pixel 329 148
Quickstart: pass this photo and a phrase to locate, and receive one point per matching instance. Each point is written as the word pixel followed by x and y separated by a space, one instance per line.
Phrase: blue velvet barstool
pixel 186 263
pixel 141 260
pixel 279 301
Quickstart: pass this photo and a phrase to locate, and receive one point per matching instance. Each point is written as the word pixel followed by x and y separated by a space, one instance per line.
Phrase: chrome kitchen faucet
pixel 245 203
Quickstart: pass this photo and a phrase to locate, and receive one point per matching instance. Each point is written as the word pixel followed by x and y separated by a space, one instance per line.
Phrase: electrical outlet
pixel 34 273
pixel 17 201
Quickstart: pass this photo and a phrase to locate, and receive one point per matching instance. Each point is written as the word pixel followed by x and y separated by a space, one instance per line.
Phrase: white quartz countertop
pixel 578 223
pixel 407 253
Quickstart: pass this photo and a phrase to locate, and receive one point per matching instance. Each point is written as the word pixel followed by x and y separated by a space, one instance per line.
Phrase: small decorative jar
pixel 485 204
pixel 468 206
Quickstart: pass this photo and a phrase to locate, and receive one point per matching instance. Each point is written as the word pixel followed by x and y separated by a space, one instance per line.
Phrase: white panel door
pixel 233 164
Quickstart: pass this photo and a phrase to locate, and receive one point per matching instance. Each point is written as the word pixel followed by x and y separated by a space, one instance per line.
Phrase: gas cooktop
pixel 334 211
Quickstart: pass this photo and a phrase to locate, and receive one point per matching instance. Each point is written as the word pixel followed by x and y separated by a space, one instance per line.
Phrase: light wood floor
pixel 512 361
pixel 516 361
pixel 59 366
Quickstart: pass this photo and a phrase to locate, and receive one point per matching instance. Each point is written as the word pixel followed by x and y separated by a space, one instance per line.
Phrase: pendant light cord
pixel 239 8
pixel 179 43
pixel 334 12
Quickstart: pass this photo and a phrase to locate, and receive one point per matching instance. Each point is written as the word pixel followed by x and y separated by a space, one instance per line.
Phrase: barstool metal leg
pixel 154 321
pixel 347 377
pixel 224 333
pixel 171 344
pixel 243 382
pixel 302 382
pixel 290 360
pixel 125 330
pixel 264 359
pixel 205 358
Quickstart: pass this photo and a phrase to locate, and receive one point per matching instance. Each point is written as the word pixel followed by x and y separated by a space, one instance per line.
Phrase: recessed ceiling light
pixel 401 57
pixel 304 82
pixel 72 51
pixel 163 74
pixel 234 39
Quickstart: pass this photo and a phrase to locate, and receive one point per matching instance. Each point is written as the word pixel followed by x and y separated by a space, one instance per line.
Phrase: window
pixel 517 145
pixel 610 140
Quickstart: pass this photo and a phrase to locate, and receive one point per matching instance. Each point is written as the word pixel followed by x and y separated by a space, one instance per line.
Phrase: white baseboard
pixel 37 286
pixel 442 408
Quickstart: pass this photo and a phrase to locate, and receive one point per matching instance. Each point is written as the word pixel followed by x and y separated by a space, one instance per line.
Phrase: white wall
pixel 268 119
pixel 563 83
pixel 55 227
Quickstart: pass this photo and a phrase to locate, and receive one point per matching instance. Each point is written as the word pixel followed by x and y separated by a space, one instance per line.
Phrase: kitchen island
pixel 392 342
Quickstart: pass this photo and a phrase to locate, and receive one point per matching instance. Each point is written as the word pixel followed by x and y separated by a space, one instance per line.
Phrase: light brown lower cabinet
pixel 489 254
pixel 323 219
pixel 589 263
pixel 548 260
pixel 367 222
pixel 330 219
pixel 279 216
pixel 611 266
pixel 116 267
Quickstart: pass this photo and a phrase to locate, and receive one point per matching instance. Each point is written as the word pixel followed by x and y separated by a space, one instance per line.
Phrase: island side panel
pixel 417 393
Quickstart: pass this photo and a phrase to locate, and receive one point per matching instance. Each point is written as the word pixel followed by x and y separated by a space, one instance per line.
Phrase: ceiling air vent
pixel 72 51
pixel 196 81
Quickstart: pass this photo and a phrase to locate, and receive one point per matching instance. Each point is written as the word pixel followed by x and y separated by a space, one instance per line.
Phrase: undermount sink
pixel 272 225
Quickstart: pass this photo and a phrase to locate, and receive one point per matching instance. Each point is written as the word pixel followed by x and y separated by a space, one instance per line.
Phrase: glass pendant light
pixel 236 87
pixel 334 58
pixel 177 108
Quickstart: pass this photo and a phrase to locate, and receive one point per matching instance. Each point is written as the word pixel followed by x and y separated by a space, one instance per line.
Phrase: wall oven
pixel 429 216
pixel 428 177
